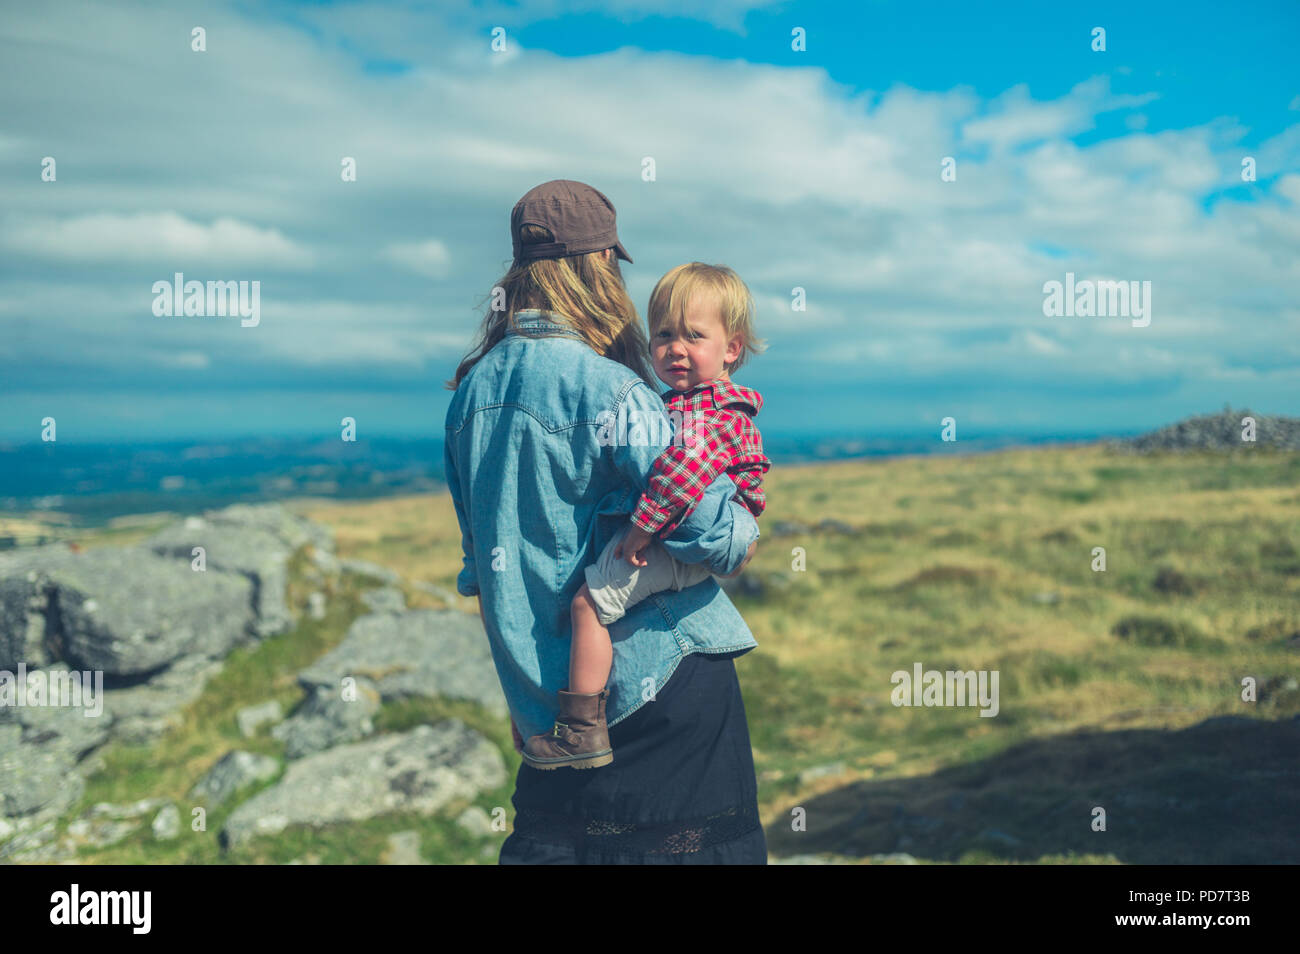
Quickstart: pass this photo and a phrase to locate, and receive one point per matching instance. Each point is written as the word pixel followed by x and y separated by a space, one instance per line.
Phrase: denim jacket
pixel 541 481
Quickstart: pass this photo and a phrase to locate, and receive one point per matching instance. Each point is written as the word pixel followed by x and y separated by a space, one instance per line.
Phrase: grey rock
pixel 251 718
pixel 325 561
pixel 316 605
pixel 167 823
pixel 373 570
pixel 258 555
pixel 446 595
pixel 144 711
pixel 820 771
pixel 417 653
pixel 234 771
pixel 789 528
pixel 837 526
pixel 386 599
pixel 476 821
pixel 403 849
pixel 34 778
pixel 1214 432
pixel 37 846
pixel 98 832
pixel 327 719
pixel 420 771
pixel 24 603
pixel 292 530
pixel 126 610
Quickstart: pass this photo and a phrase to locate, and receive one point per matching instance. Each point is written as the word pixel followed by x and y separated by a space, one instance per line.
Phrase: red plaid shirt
pixel 718 435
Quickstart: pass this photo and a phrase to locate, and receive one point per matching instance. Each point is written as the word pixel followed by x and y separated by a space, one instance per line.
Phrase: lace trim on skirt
pixel 667 838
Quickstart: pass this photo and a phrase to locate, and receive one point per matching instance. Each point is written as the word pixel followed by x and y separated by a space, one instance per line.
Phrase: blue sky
pixel 817 169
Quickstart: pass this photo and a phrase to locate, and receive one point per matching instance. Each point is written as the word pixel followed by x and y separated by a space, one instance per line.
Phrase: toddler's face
pixel 698 351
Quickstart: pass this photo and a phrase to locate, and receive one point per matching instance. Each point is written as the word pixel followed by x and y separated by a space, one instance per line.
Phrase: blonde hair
pixel 585 292
pixel 676 290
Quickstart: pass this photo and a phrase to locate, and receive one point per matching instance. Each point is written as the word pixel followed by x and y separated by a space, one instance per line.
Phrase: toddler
pixel 701 329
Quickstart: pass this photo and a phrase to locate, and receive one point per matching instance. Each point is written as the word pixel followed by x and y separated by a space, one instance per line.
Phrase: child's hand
pixel 630 546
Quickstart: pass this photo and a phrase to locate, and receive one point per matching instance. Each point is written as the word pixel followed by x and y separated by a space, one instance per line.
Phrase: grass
pixel 987 562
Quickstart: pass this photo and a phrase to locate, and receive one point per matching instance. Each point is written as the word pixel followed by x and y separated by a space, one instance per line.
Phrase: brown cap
pixel 580 218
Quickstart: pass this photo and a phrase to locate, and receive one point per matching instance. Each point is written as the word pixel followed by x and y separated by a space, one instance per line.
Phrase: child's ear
pixel 734 347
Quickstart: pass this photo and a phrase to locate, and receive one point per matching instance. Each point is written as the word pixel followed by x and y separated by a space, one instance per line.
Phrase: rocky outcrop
pixel 155 628
pixel 417 653
pixel 1218 432
pixel 420 771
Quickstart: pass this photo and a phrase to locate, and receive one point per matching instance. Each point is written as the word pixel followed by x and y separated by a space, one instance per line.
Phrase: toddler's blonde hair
pixel 676 289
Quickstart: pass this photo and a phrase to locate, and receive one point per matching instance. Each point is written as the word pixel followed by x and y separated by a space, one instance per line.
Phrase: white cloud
pixel 779 172
pixel 429 258
pixel 154 238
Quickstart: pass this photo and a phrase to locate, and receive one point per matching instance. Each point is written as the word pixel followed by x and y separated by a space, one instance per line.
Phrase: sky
pixel 818 168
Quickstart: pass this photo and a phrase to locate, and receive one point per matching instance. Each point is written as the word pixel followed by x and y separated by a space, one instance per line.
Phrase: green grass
pixel 971 563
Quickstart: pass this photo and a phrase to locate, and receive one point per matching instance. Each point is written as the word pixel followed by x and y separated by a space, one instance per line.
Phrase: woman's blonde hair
pixel 676 289
pixel 585 292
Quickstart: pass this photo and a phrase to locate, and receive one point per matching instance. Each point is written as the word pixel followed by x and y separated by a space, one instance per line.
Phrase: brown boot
pixel 579 739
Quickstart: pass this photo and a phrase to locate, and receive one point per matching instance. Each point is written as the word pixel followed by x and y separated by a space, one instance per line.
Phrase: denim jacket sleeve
pixel 467 579
pixel 718 531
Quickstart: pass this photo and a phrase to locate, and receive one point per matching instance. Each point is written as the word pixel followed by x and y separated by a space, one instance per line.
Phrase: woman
pixel 550 438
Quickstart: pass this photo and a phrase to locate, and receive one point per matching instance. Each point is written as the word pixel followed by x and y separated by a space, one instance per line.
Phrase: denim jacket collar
pixel 535 321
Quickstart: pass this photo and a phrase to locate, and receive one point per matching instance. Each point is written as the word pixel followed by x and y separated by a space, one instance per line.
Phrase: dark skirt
pixel 681 788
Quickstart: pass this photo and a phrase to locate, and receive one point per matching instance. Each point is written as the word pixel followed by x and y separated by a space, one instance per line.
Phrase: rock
pixel 316 605
pixel 144 711
pixel 476 821
pixel 33 847
pixel 99 832
pixel 821 771
pixel 373 570
pixel 386 599
pixel 326 719
pixel 836 526
pixel 126 610
pixel 403 849
pixel 416 653
pixel 251 718
pixel 1215 432
pixel 24 604
pixel 420 771
pixel 234 771
pixel 893 858
pixel 33 777
pixel 167 823
pixel 447 596
pixel 292 530
pixel 1047 598
pixel 788 528
pixel 325 561
pixel 259 556
pixel 132 810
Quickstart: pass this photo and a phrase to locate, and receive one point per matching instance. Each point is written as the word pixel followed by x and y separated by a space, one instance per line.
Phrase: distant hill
pixel 1221 431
